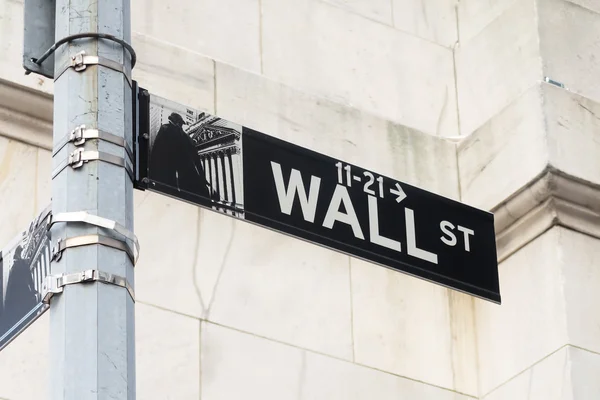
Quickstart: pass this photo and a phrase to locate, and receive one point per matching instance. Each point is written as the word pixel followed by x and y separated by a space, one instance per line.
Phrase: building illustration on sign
pixel 24 263
pixel 197 153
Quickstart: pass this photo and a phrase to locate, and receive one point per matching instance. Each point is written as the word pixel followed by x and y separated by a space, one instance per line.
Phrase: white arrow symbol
pixel 400 193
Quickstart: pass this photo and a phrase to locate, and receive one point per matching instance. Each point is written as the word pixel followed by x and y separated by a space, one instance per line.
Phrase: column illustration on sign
pixel 196 154
pixel 24 263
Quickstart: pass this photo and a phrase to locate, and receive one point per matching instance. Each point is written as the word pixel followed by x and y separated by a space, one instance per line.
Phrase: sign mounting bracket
pixel 86 240
pixel 54 284
pixel 81 133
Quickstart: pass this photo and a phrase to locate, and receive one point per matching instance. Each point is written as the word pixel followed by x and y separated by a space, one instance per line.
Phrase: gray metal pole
pixel 92 345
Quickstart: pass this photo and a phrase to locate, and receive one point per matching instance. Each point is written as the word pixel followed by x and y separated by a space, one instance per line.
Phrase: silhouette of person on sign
pixel 174 160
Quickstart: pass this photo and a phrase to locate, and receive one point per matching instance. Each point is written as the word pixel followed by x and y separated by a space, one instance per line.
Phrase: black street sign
pixel 24 263
pixel 218 164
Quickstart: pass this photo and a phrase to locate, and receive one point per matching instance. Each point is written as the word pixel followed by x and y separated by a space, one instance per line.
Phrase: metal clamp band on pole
pixel 80 61
pixel 86 240
pixel 54 284
pixel 80 156
pixel 87 35
pixel 90 219
pixel 79 135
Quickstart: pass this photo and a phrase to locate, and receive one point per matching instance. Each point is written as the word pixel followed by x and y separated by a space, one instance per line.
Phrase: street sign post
pixel 218 164
pixel 84 46
pixel 24 264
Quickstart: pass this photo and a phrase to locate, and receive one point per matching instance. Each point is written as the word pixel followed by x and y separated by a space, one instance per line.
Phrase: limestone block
pixel 378 10
pixel 26 114
pixel 167 354
pixel 25 128
pixel 570 45
pixel 238 365
pixel 589 4
pixel 215 242
pixel 327 378
pixel 401 324
pixel 584 375
pixel 573 124
pixel 25 364
pixel 464 339
pixel 550 379
pixel 11 48
pixel 514 137
pixel 285 289
pixel 427 19
pixel 533 306
pixel 167 230
pixel 20 178
pixel 579 259
pixel 174 72
pixel 476 15
pixel 359 62
pixel 183 250
pixel 43 187
pixel 337 130
pixel 498 65
pixel 226 30
pixel 570 373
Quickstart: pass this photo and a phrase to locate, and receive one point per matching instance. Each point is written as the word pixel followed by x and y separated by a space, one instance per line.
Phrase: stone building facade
pixel 494 103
